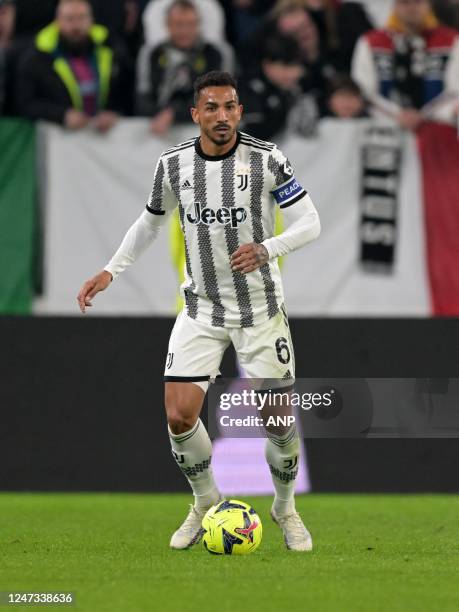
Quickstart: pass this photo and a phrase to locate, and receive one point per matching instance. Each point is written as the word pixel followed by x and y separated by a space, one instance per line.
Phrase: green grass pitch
pixel 371 553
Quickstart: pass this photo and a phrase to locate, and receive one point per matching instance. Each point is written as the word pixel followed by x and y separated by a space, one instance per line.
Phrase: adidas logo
pixel 187 185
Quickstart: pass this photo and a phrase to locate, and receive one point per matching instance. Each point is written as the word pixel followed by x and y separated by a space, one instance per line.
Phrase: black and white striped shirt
pixel 224 202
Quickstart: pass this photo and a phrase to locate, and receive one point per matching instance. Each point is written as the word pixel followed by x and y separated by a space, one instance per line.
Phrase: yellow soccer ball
pixel 231 528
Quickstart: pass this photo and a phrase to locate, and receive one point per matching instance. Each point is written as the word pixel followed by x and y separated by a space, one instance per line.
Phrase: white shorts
pixel 264 351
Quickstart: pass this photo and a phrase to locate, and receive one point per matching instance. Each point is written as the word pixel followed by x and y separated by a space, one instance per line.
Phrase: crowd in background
pixel 85 63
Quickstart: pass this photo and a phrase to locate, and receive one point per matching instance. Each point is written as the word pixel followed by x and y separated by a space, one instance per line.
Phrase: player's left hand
pixel 249 257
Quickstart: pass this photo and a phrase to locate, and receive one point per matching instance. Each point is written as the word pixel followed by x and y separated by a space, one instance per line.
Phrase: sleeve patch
pixel 287 170
pixel 287 191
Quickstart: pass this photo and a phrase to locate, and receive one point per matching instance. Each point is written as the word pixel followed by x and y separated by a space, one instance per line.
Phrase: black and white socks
pixel 192 451
pixel 282 455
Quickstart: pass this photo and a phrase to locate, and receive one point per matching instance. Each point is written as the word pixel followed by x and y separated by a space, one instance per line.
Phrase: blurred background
pixel 364 99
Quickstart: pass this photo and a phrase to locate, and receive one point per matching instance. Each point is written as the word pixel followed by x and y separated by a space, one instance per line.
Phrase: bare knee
pixel 183 405
pixel 178 422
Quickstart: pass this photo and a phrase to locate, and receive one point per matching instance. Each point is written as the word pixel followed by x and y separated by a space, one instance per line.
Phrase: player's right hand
pixel 91 287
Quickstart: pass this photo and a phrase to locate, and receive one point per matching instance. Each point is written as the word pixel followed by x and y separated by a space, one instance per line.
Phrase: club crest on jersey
pixel 232 216
pixel 243 179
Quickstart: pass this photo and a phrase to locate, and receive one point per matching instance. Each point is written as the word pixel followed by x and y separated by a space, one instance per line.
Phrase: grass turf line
pixel 371 553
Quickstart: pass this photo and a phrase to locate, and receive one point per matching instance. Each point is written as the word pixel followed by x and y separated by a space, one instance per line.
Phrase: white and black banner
pixel 381 159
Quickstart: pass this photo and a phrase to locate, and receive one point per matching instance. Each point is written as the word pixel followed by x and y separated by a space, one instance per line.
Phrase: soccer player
pixel 226 185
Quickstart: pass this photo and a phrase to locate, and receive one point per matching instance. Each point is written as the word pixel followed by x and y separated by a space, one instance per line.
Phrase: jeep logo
pixel 206 215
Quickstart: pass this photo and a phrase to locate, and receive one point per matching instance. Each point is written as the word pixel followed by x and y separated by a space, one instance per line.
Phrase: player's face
pixel 218 113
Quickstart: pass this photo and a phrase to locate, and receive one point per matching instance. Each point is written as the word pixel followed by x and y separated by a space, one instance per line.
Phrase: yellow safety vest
pixel 47 40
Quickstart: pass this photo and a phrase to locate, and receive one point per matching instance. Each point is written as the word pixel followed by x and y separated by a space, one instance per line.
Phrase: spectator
pixel 7 20
pixel 269 97
pixel 323 28
pixel 410 69
pixel 72 76
pixel 174 66
pixel 212 19
pixel 297 22
pixel 340 25
pixel 121 17
pixel 344 100
pixel 291 18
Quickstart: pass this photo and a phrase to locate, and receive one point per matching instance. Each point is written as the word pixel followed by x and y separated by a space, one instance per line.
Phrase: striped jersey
pixel 226 201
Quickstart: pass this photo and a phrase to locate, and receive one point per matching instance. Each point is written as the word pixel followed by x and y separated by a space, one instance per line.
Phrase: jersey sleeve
pixel 161 198
pixel 285 189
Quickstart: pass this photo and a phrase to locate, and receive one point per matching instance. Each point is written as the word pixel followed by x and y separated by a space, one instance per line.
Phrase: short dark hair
pixel 215 78
pixel 343 83
pixel 282 49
